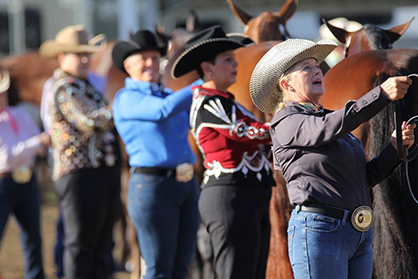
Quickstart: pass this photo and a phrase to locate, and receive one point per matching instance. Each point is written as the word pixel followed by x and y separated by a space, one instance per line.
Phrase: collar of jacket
pixel 144 86
pixel 200 90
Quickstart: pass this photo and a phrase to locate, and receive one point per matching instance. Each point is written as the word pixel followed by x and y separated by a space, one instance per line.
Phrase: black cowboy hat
pixel 141 40
pixel 205 44
pixel 241 37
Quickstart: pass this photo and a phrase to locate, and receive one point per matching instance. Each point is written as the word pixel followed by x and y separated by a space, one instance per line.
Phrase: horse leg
pixel 278 264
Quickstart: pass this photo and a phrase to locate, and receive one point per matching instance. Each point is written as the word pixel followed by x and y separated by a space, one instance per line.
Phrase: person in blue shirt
pixel 163 193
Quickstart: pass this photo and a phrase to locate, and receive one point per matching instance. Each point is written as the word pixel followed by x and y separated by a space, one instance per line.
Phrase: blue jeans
pixel 166 217
pixel 324 247
pixel 23 201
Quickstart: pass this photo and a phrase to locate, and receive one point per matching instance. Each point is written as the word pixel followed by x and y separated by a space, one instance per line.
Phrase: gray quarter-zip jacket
pixel 322 162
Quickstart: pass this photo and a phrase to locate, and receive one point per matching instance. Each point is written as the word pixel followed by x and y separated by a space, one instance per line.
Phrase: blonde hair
pixel 283 98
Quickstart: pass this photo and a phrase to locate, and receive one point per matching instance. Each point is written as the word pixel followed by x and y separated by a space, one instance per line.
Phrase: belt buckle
pixel 22 174
pixel 362 218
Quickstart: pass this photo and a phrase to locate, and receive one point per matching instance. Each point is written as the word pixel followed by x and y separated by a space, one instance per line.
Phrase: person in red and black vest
pixel 236 188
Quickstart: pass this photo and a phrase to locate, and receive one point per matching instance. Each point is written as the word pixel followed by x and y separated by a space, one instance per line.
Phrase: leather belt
pixel 5 174
pixel 155 171
pixel 327 210
pixel 361 218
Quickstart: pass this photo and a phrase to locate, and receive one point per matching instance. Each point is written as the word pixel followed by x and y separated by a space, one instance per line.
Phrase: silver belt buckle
pixel 362 218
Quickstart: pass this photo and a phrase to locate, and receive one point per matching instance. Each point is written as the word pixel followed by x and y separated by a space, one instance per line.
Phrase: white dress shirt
pixel 19 140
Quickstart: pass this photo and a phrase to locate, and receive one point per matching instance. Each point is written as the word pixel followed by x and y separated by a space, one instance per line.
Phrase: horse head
pixel 175 42
pixel 369 37
pixel 267 26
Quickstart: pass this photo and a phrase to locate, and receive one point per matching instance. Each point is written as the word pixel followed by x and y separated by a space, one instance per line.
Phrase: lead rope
pixel 406 160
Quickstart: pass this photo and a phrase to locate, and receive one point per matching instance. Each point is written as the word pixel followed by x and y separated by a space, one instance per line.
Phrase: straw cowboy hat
pixel 141 40
pixel 273 65
pixel 72 38
pixel 4 81
pixel 204 44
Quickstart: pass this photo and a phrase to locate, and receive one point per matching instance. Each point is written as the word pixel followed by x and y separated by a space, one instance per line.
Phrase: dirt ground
pixel 11 257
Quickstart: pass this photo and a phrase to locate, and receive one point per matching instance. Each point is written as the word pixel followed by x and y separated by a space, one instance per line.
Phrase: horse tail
pixel 392 255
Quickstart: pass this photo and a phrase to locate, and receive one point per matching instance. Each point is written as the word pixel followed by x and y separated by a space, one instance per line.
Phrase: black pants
pixel 90 203
pixel 237 219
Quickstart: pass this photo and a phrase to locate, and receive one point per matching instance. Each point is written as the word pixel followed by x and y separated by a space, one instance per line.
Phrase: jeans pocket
pixel 322 223
pixel 146 180
pixel 290 238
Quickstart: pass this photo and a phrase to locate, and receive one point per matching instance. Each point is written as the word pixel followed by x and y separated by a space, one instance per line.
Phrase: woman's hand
pixel 408 136
pixel 45 139
pixel 395 88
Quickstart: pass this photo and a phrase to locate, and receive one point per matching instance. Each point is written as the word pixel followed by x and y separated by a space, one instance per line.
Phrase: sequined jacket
pixel 82 129
pixel 231 139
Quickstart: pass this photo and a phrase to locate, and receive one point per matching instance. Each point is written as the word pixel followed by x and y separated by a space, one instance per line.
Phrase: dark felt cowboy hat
pixel 141 40
pixel 241 37
pixel 206 43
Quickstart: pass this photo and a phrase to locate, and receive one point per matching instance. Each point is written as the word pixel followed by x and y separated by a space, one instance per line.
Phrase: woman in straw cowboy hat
pixel 86 165
pixel 20 143
pixel 163 193
pixel 324 165
pixel 236 189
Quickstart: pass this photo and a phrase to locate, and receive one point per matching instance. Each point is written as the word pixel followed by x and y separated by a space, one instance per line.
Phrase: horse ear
pixel 287 10
pixel 161 35
pixel 193 23
pixel 396 32
pixel 339 33
pixel 239 13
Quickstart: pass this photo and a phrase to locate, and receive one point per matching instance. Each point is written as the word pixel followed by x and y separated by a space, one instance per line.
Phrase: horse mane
pixel 377 39
pixel 387 201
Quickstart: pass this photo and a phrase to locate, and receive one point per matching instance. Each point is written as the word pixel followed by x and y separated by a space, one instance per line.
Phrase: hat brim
pixel 191 58
pixel 263 84
pixel 122 49
pixel 4 82
pixel 50 49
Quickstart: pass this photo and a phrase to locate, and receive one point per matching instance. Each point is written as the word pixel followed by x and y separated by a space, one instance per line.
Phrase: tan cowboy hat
pixel 72 38
pixel 4 81
pixel 274 64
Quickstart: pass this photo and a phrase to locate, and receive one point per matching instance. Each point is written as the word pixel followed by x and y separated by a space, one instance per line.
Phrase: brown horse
pixel 28 73
pixel 395 250
pixel 395 243
pixel 267 26
pixel 267 29
pixel 369 37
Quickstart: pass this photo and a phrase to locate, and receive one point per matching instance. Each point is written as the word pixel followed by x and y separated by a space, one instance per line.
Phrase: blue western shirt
pixel 154 124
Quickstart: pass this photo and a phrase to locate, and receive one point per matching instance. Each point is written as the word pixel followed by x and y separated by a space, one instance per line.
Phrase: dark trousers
pixel 237 219
pixel 23 200
pixel 90 204
pixel 59 247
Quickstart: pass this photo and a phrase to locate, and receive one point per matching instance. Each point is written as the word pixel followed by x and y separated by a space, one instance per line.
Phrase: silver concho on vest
pixel 362 218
